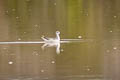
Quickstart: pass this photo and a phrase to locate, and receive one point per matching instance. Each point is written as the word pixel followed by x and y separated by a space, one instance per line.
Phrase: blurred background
pixel 95 21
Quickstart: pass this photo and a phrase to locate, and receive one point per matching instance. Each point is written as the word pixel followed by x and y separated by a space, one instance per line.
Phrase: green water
pixel 96 57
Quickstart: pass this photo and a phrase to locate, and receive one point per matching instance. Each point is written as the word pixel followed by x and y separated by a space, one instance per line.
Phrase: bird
pixel 52 40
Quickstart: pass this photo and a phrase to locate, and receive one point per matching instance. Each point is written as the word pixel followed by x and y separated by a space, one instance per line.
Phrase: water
pixel 89 47
pixel 24 61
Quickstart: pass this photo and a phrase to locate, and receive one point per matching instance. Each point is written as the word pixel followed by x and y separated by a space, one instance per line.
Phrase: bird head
pixel 57 32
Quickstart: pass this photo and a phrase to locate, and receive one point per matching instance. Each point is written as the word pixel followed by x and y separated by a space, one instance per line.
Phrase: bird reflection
pixel 57 45
pixel 52 42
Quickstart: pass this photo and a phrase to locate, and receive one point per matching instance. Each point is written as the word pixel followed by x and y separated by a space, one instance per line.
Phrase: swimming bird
pixel 52 40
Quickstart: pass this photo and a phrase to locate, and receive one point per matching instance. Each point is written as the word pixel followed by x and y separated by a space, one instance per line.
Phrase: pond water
pixel 89 30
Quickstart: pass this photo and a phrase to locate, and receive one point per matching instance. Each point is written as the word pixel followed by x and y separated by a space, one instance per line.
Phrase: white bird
pixel 52 40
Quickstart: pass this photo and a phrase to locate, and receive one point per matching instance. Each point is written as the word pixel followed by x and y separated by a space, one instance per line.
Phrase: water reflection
pixel 46 43
pixel 29 61
pixel 57 45
pixel 94 57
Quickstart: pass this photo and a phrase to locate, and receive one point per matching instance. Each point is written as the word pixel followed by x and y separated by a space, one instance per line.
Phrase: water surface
pixel 91 28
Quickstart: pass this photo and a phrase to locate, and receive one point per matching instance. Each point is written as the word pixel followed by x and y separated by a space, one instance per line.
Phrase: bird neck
pixel 57 36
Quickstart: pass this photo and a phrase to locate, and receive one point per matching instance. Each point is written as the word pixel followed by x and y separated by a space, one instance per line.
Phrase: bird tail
pixel 43 38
